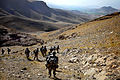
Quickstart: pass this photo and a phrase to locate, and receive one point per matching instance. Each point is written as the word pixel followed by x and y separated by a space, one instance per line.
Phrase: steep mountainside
pixel 40 11
pixel 25 24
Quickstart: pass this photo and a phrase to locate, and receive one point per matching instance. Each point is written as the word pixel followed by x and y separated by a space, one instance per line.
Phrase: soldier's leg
pixel 54 72
pixel 57 51
pixel 49 72
pixel 42 54
pixel 45 53
pixel 27 56
pixel 2 53
pixel 37 57
pixel 34 57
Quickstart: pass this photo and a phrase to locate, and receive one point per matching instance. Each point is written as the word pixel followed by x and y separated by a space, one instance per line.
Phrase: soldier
pixel 54 48
pixel 3 51
pixel 36 54
pixel 45 51
pixel 27 52
pixel 51 49
pixel 52 63
pixel 9 50
pixel 41 49
pixel 58 49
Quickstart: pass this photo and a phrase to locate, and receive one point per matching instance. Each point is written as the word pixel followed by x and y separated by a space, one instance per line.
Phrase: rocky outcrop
pixel 10 38
pixel 94 66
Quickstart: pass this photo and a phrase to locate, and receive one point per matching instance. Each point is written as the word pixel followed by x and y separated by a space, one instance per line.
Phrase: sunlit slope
pixel 101 33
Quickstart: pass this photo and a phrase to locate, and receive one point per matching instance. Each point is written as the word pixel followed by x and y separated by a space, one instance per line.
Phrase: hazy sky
pixel 85 3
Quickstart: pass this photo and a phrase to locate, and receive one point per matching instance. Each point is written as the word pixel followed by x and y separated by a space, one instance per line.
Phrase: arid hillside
pixel 101 32
pixel 88 51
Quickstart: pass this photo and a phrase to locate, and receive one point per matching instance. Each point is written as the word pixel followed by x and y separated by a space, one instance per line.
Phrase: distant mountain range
pixel 103 10
pixel 30 15
pixel 38 11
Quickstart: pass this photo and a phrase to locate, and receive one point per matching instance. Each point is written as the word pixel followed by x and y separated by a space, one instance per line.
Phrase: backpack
pixel 36 51
pixel 52 61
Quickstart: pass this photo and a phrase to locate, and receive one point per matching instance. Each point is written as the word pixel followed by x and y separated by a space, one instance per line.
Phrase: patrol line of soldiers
pixel 43 50
pixel 51 58
pixel 8 51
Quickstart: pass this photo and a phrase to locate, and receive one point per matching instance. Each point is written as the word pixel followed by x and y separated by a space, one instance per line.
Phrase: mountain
pixel 83 14
pixel 35 15
pixel 40 11
pixel 24 24
pixel 103 10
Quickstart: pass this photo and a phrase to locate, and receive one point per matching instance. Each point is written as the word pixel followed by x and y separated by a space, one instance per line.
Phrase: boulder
pixel 74 60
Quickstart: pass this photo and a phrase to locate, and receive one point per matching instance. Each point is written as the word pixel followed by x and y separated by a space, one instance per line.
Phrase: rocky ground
pixel 74 64
pixel 89 51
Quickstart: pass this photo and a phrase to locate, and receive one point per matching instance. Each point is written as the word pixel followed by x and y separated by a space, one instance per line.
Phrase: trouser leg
pixel 54 72
pixel 37 57
pixel 50 72
pixel 34 57
pixel 27 56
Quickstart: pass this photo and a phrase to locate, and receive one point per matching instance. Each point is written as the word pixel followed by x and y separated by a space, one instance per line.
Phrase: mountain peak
pixel 108 7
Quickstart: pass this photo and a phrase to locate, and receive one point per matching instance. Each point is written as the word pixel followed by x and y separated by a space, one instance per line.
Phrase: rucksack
pixel 52 60
pixel 36 51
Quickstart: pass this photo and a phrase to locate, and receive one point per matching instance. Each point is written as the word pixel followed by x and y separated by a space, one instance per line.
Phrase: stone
pixel 18 76
pixel 100 76
pixel 39 74
pixel 74 60
pixel 21 70
pixel 65 51
pixel 91 71
pixel 24 69
pixel 66 67
pixel 29 76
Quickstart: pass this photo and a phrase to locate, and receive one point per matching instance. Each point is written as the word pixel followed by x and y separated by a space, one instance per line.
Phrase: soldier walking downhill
pixel 3 51
pixel 45 51
pixel 9 50
pixel 27 52
pixel 36 54
pixel 52 64
pixel 41 49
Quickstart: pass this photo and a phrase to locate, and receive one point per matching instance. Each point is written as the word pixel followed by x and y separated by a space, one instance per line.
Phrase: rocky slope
pixel 9 37
pixel 89 51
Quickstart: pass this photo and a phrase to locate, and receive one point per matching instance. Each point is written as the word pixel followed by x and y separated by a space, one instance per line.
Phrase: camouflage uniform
pixel 8 50
pixel 3 51
pixel 27 52
pixel 36 54
pixel 52 66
